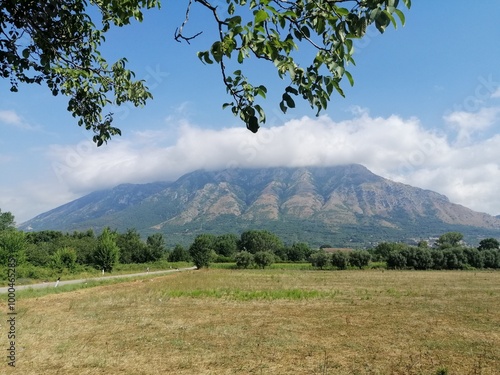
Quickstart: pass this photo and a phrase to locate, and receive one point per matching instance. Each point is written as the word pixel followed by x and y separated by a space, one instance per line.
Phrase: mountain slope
pixel 317 204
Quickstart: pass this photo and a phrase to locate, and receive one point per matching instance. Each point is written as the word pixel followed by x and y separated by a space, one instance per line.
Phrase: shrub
pixel 64 258
pixel 340 260
pixel 438 261
pixel 179 254
pixel 263 258
pixel 243 259
pixel 396 260
pixel 474 257
pixel 422 259
pixel 450 260
pixel 359 258
pixel 319 259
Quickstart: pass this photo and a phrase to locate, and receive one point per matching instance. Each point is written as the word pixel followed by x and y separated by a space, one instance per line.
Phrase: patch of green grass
pixel 252 295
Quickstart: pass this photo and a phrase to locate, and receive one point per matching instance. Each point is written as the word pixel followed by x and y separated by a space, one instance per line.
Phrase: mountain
pixel 340 205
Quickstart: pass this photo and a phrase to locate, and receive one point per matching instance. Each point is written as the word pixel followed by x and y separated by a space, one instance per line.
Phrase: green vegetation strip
pixel 250 295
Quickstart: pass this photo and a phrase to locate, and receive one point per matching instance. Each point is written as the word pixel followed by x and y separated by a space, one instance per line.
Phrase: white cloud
pixel 396 148
pixel 11 118
pixel 496 93
pixel 468 123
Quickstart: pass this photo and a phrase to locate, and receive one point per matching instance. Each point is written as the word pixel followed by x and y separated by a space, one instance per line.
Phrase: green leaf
pixel 349 77
pixel 283 106
pixel 289 101
pixel 260 16
pixel 342 11
pixel 305 31
pixel 401 16
pixel 253 124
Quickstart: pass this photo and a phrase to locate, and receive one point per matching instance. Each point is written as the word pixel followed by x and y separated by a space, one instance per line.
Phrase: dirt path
pixel 79 281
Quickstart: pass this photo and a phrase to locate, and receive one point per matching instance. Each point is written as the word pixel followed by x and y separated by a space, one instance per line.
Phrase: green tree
pixel 474 257
pixel 263 259
pixel 489 244
pixel 260 240
pixel 43 236
pixel 244 259
pixel 39 255
pixel 396 260
pixel 422 259
pixel 438 259
pixel 155 246
pixel 449 239
pixel 298 252
pixel 179 254
pixel 226 244
pixel 491 258
pixel 201 250
pixel 273 31
pixel 64 258
pixel 359 258
pixel 58 42
pixel 132 249
pixel 12 245
pixel 340 260
pixel 319 259
pixel 423 244
pixel 107 252
pixel 6 218
pixel 454 258
pixel 383 249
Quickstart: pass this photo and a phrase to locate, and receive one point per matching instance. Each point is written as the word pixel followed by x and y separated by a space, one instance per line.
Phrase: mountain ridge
pixel 327 200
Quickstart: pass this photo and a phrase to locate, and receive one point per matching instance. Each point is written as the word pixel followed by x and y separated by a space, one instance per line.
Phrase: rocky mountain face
pixel 314 204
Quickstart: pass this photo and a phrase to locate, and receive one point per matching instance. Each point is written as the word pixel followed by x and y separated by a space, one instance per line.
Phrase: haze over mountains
pixel 340 205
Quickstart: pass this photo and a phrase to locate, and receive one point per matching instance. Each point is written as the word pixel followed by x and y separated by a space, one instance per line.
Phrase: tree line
pixel 79 251
pixel 448 253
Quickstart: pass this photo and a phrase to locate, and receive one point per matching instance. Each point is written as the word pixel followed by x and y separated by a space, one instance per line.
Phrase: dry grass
pixel 267 322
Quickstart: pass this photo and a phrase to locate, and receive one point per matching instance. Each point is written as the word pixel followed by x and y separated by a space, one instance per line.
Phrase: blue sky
pixel 424 110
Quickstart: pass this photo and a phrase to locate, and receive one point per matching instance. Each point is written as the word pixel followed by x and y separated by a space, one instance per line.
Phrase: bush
pixel 243 259
pixel 263 259
pixel 340 260
pixel 450 260
pixel 396 260
pixel 319 259
pixel 298 252
pixel 474 257
pixel 64 258
pixel 422 259
pixel 438 261
pixel 491 258
pixel 359 258
pixel 178 254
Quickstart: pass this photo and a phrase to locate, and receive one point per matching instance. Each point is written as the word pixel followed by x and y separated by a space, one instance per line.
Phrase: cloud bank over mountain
pixel 460 163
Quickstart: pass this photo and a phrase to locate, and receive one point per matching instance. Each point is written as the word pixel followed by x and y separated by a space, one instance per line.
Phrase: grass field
pixel 222 321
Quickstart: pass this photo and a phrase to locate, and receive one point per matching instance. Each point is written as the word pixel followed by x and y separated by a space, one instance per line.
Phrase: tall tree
pixel 226 244
pixel 106 253
pixel 489 244
pixel 201 250
pixel 6 221
pixel 132 248
pixel 260 240
pixel 12 245
pixel 449 239
pixel 155 246
pixel 179 254
pixel 57 43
